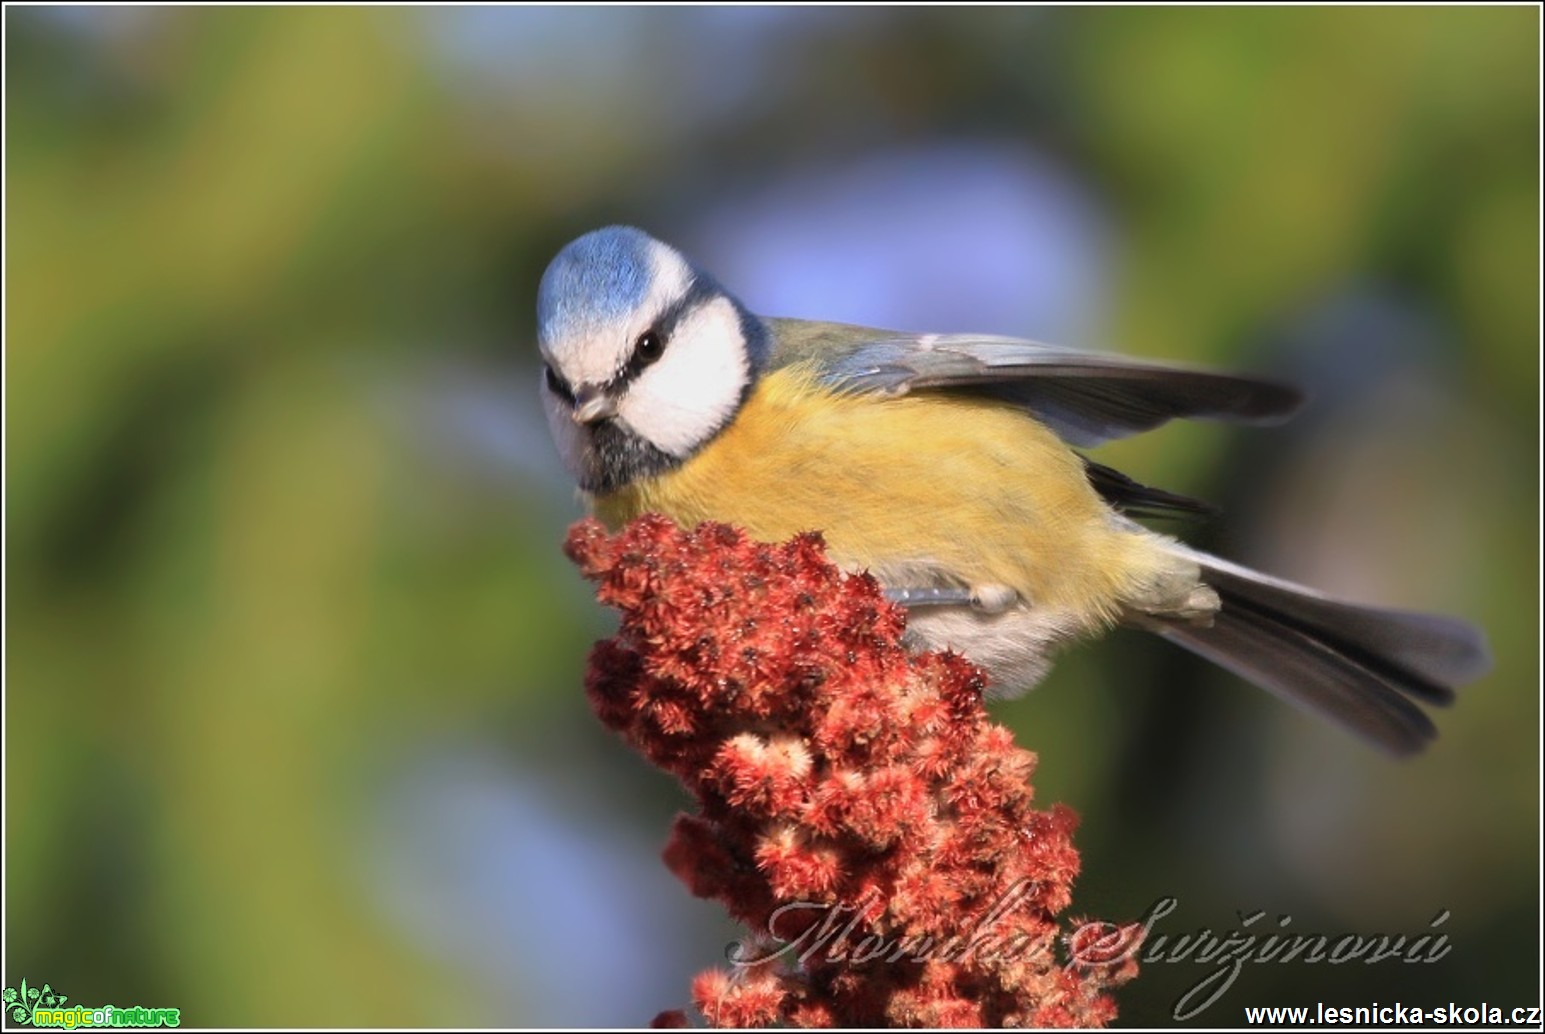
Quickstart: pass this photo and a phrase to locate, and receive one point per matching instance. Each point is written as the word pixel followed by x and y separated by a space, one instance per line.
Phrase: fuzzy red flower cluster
pixel 857 810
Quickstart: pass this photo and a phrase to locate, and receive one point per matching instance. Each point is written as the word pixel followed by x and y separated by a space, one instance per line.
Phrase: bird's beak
pixel 592 405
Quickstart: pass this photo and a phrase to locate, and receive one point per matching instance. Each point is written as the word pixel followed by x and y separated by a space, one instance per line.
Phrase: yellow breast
pixel 973 489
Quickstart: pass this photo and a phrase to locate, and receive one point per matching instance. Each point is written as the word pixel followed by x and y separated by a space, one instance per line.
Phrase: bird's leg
pixel 989 599
pixel 929 596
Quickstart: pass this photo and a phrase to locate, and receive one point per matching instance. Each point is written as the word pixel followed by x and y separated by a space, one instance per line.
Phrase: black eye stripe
pixel 557 385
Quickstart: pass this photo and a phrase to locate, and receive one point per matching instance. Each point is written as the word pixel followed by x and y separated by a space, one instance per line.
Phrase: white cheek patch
pixel 694 389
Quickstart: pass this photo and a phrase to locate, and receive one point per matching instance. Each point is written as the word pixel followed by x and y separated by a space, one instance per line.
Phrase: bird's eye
pixel 555 384
pixel 648 347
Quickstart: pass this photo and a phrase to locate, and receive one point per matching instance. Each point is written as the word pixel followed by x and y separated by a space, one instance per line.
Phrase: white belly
pixel 1014 647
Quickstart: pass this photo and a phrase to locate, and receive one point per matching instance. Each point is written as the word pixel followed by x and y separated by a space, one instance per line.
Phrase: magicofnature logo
pixel 44 1007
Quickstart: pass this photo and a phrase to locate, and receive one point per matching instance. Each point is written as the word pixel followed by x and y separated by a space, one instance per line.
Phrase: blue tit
pixel 946 465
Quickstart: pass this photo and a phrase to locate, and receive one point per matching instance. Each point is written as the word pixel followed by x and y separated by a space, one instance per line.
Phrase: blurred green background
pixel 294 729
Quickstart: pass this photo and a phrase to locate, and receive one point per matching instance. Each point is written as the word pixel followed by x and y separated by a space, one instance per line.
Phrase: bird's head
pixel 646 358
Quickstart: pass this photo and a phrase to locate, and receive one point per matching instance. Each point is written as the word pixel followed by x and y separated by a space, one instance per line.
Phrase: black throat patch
pixel 618 457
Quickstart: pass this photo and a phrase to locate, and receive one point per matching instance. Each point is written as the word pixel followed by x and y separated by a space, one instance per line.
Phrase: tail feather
pixel 1363 667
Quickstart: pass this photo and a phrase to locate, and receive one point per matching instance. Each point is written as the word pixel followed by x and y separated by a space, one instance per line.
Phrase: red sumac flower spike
pixel 841 776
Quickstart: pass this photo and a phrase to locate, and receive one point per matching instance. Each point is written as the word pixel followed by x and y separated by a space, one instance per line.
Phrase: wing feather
pixel 1086 397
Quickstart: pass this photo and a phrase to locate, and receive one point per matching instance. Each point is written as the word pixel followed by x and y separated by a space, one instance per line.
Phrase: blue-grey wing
pixel 1086 397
